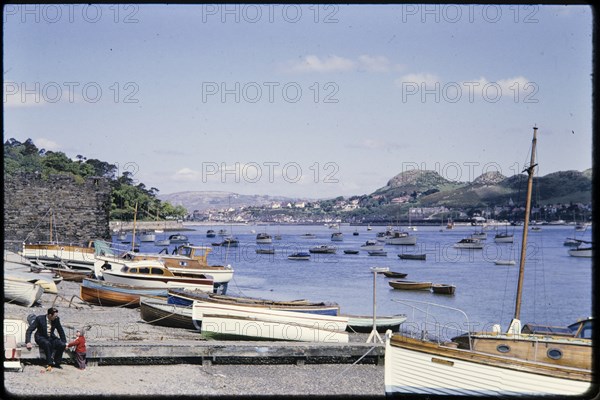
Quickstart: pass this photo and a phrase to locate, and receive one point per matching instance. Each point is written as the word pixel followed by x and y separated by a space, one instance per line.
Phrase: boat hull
pixel 410 285
pixel 22 292
pixel 417 367
pixel 364 324
pixel 159 312
pixel 107 294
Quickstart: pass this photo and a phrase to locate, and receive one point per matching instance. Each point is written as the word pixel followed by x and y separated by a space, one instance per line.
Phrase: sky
pixel 311 101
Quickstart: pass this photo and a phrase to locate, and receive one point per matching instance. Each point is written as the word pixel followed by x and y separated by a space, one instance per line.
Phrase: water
pixel 557 287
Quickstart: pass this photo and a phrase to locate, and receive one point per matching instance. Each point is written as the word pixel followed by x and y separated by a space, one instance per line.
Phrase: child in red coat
pixel 80 349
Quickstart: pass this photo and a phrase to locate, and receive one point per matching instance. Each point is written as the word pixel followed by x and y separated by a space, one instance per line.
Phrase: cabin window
pixel 554 354
pixel 157 271
pixel 183 263
pixel 144 270
pixel 133 270
pixel 503 348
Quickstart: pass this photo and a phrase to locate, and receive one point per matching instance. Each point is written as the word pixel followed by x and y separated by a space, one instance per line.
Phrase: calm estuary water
pixel 557 287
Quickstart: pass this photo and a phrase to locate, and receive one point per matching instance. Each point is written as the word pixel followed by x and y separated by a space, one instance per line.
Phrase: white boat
pixel 18 272
pixel 162 243
pixel 299 256
pixel 21 292
pixel 380 253
pixel 188 259
pixel 400 238
pixel 149 274
pixel 56 254
pixel 264 238
pixel 468 243
pixel 479 235
pixel 371 245
pixel 505 262
pixel 323 249
pixel 337 237
pixel 308 236
pixel 178 238
pixel 147 236
pixel 581 252
pixel 250 323
pixel 511 364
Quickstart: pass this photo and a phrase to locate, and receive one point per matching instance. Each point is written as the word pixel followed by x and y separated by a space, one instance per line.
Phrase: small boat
pixel 21 292
pixel 369 227
pixel 277 237
pixel 410 285
pixel 230 242
pixel 216 244
pixel 160 312
pixel 147 236
pixel 351 251
pixel 299 256
pixel 400 238
pixel 371 245
pixel 355 233
pixel 536 228
pixel 504 262
pixel 479 235
pixel 412 256
pixel 178 238
pixel 264 238
pixel 504 238
pixel 222 232
pixel 581 252
pixel 162 243
pixel 210 233
pixel 442 288
pixel 232 321
pixel 71 274
pixel 265 251
pixel 468 243
pixel 308 236
pixel 187 297
pixel 104 293
pixel 379 253
pixel 337 237
pixel 572 242
pixel 392 274
pixel 364 323
pixel 44 280
pixel 323 249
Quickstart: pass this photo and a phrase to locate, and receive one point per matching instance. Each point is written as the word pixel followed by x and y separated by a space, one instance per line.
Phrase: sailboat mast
pixel 133 232
pixel 529 171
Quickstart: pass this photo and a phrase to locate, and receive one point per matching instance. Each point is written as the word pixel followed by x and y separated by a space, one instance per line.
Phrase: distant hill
pixel 204 200
pixel 416 180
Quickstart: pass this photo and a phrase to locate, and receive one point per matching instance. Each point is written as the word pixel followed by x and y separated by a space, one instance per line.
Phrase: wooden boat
pixel 21 292
pixel 299 256
pixel 510 364
pixel 412 256
pixel 392 274
pixel 60 254
pixel 323 249
pixel 150 274
pixel 104 293
pixel 160 312
pixel 410 285
pixel 187 297
pixel 46 282
pixel 364 323
pixel 442 288
pixel 380 253
pixel 250 327
pixel 350 251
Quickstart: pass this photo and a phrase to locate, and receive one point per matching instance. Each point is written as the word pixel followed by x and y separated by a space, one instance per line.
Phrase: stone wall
pixel 80 210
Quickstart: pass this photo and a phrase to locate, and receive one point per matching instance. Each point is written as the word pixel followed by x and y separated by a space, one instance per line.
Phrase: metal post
pixel 374 335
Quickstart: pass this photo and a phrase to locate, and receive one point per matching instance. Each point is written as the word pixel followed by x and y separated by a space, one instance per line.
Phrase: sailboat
pixel 505 237
pixel 534 361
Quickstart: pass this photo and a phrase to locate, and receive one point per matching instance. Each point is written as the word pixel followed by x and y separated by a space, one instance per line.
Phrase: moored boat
pixel 178 238
pixel 351 251
pixel 299 256
pixel 581 252
pixel 147 236
pixel 442 288
pixel 323 249
pixel 469 243
pixel 337 237
pixel 264 238
pixel 407 256
pixel 410 285
pixel 378 253
pixel 393 274
pixel 266 251
pixel 371 245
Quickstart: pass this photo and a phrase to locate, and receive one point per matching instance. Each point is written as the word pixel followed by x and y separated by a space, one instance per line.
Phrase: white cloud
pixel 43 143
pixel 313 63
pixel 187 175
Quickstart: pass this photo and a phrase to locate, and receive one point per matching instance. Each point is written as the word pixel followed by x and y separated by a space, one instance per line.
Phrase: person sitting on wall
pixel 45 327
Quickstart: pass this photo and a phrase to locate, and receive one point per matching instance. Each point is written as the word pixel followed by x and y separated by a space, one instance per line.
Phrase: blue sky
pixel 301 101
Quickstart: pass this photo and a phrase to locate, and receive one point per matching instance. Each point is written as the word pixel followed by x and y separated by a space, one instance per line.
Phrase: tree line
pixel 26 157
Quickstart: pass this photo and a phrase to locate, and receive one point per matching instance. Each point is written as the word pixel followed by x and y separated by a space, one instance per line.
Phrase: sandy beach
pixel 116 324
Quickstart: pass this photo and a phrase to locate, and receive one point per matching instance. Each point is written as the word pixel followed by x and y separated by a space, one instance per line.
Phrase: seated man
pixel 45 337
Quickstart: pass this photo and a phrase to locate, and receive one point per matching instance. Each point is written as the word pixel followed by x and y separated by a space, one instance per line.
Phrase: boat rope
pixel 355 362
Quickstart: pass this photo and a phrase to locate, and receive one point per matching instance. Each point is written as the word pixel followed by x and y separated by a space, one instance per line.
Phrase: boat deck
pixel 206 352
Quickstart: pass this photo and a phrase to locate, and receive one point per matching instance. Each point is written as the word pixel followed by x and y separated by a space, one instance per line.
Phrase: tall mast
pixel 529 171
pixel 133 233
